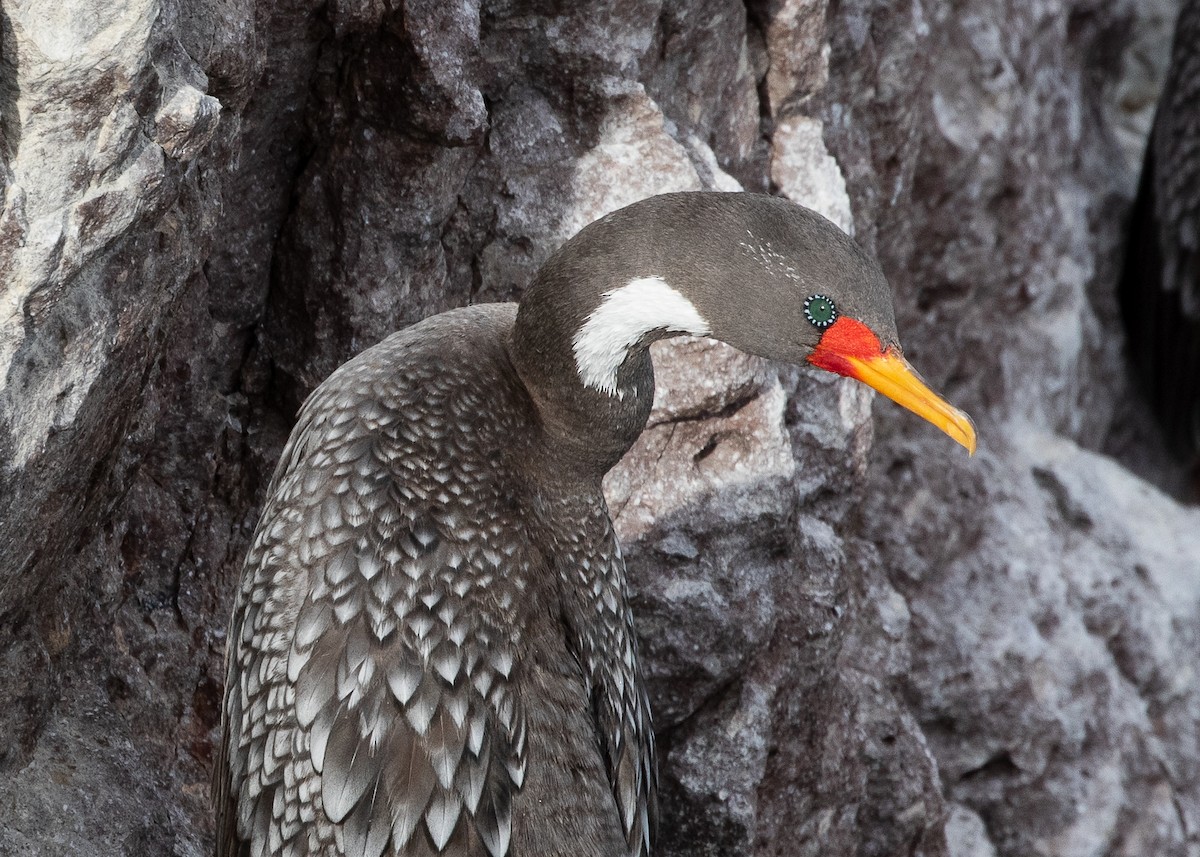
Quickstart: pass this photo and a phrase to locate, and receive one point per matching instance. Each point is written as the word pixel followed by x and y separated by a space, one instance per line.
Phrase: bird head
pixel 765 275
pixel 805 292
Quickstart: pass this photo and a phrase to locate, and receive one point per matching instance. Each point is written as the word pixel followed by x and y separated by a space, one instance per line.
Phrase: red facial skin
pixel 846 337
pixel 848 347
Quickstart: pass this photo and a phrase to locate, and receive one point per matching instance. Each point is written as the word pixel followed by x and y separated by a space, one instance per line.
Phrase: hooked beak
pixel 848 347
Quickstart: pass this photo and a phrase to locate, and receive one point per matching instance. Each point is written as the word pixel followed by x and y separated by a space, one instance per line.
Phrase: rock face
pixel 858 641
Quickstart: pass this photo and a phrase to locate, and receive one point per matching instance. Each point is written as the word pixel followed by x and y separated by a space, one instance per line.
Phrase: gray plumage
pixel 432 651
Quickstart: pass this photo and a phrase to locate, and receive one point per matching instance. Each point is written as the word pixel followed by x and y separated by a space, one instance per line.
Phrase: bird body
pixel 408 562
pixel 432 651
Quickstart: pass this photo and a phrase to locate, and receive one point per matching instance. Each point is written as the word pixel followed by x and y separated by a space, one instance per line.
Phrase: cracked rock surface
pixel 857 640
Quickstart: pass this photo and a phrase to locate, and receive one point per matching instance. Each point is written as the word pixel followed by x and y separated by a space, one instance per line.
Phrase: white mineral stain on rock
pixel 635 158
pixel 186 123
pixel 853 403
pixel 966 835
pixel 799 54
pixel 78 35
pixel 692 590
pixel 83 177
pixel 805 171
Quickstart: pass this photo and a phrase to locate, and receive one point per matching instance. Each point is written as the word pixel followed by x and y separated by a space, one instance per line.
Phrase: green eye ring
pixel 820 310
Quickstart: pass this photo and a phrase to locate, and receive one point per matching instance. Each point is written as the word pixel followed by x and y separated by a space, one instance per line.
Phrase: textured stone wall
pixel 858 640
pixel 1053 604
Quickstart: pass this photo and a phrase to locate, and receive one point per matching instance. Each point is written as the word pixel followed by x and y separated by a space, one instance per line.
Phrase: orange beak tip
pixel 891 375
pixel 968 434
pixel 849 347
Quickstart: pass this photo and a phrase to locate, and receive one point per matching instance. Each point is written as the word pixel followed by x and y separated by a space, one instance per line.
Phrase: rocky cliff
pixel 858 641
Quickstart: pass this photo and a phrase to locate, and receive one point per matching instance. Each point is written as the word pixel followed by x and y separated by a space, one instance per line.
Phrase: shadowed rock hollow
pixel 858 641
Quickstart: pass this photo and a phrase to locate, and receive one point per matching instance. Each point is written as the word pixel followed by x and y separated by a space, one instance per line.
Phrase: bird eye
pixel 820 311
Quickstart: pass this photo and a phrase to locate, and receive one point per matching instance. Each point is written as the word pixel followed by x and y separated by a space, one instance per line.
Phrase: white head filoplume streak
pixel 622 319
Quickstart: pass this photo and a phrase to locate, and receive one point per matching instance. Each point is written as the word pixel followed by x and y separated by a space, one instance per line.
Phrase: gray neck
pixel 586 430
pixel 686 242
pixel 584 326
pixel 592 419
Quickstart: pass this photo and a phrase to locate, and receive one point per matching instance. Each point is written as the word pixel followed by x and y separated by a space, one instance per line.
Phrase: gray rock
pixel 858 641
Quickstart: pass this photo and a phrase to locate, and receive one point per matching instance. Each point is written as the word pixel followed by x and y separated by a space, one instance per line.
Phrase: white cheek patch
pixel 624 316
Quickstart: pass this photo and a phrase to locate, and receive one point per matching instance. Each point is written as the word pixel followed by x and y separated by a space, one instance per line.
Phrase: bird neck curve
pixel 585 364
pixel 625 318
pixel 582 332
